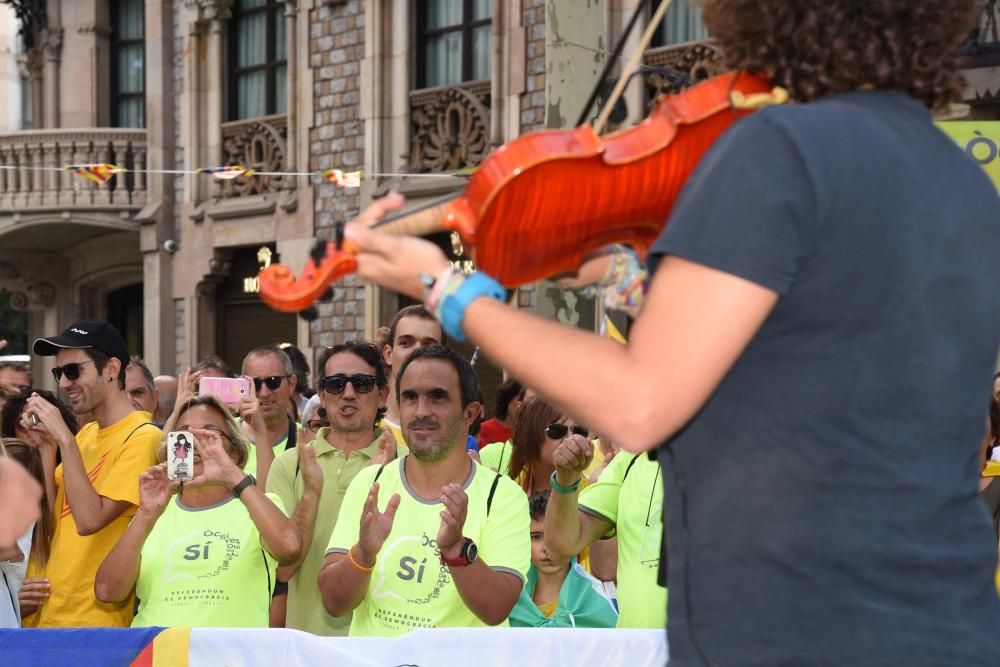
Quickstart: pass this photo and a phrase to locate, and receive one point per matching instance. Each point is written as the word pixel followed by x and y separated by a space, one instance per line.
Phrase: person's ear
pixel 472 412
pixel 292 381
pixel 383 395
pixel 387 355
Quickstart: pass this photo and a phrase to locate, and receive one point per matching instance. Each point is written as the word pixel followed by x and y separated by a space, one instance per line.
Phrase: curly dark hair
pixel 815 48
pixel 13 408
pixel 363 350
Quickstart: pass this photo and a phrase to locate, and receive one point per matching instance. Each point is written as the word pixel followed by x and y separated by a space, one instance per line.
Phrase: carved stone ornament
pixel 51 42
pixel 258 144
pixel 693 61
pixel 29 64
pixel 449 127
pixel 211 10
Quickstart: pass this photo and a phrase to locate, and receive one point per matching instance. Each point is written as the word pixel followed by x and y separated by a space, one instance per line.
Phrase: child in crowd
pixel 559 593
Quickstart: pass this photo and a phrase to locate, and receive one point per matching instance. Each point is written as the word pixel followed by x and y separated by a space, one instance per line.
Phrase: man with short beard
pixel 97 492
pixel 459 550
pixel 140 387
pixel 353 391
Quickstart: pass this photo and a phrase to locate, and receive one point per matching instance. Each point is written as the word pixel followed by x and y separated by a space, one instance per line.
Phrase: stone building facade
pixel 384 86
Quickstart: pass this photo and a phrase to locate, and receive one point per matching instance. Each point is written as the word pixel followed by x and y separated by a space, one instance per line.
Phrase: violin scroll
pixel 281 290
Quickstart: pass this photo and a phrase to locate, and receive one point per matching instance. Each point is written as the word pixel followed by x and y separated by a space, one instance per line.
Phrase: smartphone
pixel 229 390
pixel 180 456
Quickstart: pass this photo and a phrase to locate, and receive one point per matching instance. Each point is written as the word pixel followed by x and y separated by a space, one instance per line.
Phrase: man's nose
pixel 349 391
pixel 64 382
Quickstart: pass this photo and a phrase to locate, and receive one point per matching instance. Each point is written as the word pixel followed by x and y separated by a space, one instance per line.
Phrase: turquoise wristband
pixel 454 305
pixel 565 490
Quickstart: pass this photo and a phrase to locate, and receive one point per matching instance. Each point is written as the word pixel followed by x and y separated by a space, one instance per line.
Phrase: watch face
pixel 471 551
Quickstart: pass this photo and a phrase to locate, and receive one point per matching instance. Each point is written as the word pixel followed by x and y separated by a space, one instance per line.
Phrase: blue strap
pixel 454 305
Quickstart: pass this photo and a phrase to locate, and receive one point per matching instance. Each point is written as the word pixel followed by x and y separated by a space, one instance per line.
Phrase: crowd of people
pixel 813 335
pixel 367 506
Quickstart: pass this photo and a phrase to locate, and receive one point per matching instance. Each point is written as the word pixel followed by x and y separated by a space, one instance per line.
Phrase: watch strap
pixel 463 558
pixel 243 484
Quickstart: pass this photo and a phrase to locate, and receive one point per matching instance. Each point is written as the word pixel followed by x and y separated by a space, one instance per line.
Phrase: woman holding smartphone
pixel 194 550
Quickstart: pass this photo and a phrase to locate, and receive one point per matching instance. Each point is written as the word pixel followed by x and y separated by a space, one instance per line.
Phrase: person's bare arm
pixel 342 584
pixel 568 531
pixel 91 511
pixel 694 325
pixel 304 516
pixel 119 571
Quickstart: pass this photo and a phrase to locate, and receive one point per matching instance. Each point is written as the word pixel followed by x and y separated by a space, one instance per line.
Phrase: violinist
pixel 811 357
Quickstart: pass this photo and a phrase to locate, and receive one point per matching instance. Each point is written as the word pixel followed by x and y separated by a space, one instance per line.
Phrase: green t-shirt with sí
pixel 205 567
pixel 409 587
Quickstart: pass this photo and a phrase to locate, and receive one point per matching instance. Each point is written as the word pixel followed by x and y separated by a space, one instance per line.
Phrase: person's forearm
pixel 89 510
pixel 48 455
pixel 542 353
pixel 118 573
pixel 562 525
pixel 304 520
pixel 488 594
pixel 277 532
pixel 343 585
pixel 604 559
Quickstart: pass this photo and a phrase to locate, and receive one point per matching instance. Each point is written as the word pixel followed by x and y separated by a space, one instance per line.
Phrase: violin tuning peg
pixel 309 314
pixel 318 252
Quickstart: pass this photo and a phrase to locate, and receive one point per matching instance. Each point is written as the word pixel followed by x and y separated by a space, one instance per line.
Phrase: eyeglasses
pixel 314 425
pixel 559 431
pixel 272 381
pixel 335 384
pixel 71 371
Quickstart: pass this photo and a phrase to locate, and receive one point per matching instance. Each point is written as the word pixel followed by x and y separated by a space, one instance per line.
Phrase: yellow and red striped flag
pixel 99 173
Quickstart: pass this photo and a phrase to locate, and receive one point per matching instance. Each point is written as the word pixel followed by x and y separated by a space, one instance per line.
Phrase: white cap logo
pixel 80 331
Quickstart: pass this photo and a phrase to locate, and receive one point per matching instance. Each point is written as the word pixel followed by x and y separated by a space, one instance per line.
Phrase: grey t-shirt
pixel 832 514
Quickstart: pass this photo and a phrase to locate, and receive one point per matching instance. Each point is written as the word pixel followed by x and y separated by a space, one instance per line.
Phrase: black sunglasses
pixel 272 381
pixel 335 384
pixel 314 425
pixel 559 431
pixel 71 371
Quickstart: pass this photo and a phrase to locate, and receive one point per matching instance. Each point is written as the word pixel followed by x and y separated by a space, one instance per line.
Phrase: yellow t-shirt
pixel 206 567
pixel 409 587
pixel 114 457
pixel 549 608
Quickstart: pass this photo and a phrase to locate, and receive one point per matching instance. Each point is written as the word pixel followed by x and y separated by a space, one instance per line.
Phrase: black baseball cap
pixel 85 334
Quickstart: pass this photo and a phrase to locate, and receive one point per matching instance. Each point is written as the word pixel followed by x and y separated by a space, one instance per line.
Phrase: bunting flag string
pixel 100 173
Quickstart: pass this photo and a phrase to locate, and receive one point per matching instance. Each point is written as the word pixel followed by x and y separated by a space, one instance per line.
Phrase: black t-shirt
pixel 831 479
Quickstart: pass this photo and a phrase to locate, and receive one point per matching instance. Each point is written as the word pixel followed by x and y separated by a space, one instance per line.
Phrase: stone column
pixel 574 38
pixel 51 43
pixel 158 223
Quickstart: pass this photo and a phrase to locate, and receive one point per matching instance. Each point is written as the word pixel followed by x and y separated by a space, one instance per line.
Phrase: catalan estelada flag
pixel 99 173
pixel 82 647
pixel 345 179
pixel 227 173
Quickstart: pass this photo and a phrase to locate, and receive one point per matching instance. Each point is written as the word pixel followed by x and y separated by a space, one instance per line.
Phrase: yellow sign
pixel 980 140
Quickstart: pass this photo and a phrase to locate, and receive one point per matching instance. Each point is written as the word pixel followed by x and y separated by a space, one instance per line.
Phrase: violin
pixel 540 204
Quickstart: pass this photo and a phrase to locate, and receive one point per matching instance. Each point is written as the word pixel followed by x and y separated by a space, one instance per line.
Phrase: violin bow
pixel 631 65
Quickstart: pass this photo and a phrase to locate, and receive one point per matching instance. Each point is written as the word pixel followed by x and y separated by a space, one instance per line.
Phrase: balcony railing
pixel 983 47
pixel 26 187
pixel 670 69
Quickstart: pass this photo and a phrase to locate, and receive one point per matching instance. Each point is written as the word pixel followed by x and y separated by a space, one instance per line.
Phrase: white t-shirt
pixel 12 575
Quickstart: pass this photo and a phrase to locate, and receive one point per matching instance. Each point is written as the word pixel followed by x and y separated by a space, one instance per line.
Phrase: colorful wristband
pixel 453 304
pixel 358 566
pixel 565 490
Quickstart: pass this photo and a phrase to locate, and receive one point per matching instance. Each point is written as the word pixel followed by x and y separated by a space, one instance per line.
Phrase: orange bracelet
pixel 358 566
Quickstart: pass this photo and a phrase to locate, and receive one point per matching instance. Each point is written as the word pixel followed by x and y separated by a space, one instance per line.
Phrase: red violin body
pixel 537 206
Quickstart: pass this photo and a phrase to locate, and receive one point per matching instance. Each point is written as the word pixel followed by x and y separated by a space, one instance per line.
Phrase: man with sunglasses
pixel 96 489
pixel 271 430
pixel 353 391
pixel 16 374
pixel 435 539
